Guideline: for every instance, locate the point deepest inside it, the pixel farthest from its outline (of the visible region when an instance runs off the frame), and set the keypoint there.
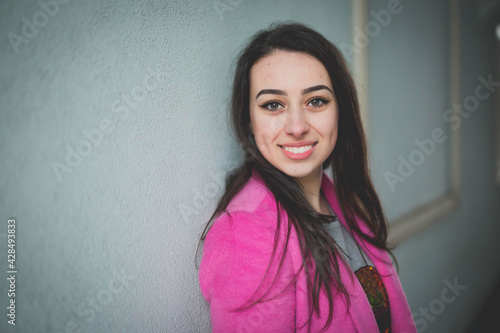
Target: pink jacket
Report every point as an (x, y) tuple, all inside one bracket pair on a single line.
[(236, 254)]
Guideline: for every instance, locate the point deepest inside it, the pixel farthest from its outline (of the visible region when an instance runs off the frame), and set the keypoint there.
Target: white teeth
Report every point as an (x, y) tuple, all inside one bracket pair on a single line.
[(298, 150)]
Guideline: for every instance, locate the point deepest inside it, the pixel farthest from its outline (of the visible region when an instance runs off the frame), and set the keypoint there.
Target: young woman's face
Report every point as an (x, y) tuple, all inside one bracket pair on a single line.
[(293, 112)]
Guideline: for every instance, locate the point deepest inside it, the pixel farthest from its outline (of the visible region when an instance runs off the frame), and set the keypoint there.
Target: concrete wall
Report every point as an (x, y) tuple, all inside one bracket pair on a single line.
[(114, 141), (106, 240), (409, 94)]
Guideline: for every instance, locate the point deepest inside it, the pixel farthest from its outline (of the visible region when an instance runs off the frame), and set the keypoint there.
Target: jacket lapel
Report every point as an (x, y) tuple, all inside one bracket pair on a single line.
[(401, 317), (360, 311)]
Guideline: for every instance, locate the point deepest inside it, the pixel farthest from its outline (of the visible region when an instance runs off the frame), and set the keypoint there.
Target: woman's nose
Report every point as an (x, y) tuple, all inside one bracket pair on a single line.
[(296, 123)]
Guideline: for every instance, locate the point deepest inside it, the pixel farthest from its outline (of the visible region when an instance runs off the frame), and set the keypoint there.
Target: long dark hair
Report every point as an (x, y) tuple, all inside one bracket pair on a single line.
[(348, 160)]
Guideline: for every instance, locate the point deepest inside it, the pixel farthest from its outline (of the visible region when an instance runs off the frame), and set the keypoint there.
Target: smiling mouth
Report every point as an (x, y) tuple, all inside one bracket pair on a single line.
[(298, 150)]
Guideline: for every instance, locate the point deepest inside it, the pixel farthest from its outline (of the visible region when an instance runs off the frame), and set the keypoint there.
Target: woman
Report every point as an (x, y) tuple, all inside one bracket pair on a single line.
[(292, 249)]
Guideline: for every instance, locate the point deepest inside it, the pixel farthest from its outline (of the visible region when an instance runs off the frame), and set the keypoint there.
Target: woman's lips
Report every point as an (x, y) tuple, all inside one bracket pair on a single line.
[(298, 153)]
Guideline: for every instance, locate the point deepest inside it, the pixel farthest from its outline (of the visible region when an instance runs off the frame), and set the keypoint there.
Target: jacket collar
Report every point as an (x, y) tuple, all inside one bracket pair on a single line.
[(360, 311), (401, 317)]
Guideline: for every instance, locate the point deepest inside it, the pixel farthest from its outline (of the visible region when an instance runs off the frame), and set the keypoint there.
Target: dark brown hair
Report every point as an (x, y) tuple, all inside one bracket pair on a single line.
[(348, 160)]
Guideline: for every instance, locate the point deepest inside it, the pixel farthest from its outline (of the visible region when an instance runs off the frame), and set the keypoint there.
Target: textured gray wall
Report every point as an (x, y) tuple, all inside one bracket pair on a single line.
[(106, 241)]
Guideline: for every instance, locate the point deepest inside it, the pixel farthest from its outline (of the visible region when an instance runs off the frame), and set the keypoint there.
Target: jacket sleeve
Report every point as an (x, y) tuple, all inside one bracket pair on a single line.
[(236, 256)]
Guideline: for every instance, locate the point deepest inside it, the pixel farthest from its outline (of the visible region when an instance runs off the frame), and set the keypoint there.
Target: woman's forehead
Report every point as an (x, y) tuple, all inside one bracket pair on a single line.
[(292, 70)]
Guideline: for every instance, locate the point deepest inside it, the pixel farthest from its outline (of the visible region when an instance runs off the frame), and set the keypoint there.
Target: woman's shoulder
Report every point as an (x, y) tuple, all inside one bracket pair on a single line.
[(249, 221), (254, 204), (234, 224), (241, 242)]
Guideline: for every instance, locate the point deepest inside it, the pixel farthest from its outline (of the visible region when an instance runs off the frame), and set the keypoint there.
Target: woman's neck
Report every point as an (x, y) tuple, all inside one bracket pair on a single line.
[(312, 188)]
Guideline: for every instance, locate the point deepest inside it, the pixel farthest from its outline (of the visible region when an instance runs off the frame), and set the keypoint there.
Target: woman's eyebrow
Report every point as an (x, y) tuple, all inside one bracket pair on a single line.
[(283, 93), (315, 88), (271, 91)]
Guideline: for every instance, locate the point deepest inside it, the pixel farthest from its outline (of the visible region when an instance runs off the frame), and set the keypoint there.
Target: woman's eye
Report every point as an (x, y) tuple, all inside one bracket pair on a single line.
[(272, 106), (317, 102)]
